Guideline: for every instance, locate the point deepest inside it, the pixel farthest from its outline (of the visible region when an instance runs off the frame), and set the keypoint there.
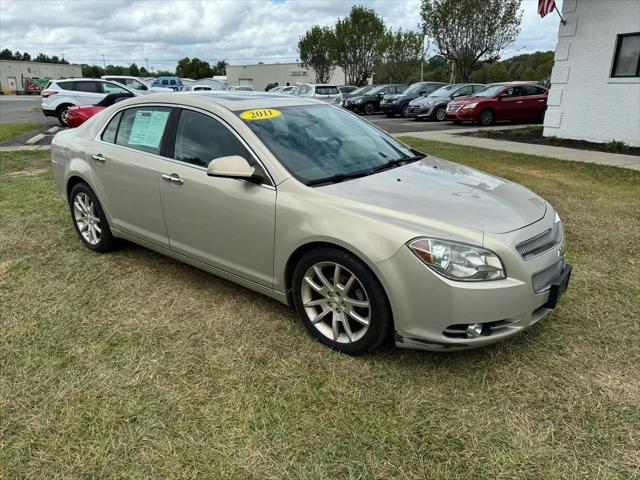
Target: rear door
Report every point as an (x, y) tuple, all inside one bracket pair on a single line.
[(223, 222), (126, 169), (87, 92), (535, 101)]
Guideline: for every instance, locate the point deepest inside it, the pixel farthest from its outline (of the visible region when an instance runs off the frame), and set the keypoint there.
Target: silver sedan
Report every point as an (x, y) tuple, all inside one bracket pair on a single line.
[(368, 239)]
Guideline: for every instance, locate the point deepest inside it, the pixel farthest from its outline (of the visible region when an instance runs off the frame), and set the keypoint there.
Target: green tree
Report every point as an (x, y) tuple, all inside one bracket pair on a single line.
[(467, 32), (317, 51), (6, 54), (360, 41), (401, 58), (144, 72), (220, 68), (134, 71), (193, 68)]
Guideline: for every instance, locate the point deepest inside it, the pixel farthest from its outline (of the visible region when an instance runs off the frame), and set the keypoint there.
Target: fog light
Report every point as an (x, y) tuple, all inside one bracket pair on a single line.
[(474, 330)]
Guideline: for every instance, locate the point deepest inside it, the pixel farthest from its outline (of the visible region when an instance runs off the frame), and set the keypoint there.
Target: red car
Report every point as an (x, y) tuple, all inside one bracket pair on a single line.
[(76, 116), (509, 101)]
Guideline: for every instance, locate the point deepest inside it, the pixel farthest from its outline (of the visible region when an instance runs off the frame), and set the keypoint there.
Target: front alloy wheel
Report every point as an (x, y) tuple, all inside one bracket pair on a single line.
[(335, 302), (441, 114), (369, 109), (340, 301), (89, 219)]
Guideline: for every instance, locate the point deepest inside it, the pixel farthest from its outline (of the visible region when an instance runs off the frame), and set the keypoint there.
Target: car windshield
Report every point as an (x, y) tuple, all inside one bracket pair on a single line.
[(376, 90), (489, 91), (323, 144), (414, 88), (361, 90), (443, 91)]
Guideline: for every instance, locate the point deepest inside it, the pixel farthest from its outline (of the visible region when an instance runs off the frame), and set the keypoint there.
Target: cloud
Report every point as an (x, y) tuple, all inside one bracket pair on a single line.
[(240, 31)]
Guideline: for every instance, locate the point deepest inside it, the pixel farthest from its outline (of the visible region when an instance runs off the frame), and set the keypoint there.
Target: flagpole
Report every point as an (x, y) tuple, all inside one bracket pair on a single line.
[(562, 20)]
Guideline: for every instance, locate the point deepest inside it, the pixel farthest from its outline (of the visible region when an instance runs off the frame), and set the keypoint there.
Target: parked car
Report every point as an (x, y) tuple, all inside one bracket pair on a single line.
[(60, 95), (240, 88), (207, 82), (434, 105), (323, 92), (174, 83), (357, 92), (282, 89), (134, 82), (398, 103), (512, 101), (270, 86), (366, 237), (76, 116), (369, 101), (343, 89)]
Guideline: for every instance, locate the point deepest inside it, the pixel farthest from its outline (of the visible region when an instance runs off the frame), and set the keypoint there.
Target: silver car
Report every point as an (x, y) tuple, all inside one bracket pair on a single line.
[(368, 239)]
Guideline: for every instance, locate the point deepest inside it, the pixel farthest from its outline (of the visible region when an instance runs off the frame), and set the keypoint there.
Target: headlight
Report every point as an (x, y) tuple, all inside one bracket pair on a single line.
[(469, 106), (357, 100), (431, 103), (458, 261)]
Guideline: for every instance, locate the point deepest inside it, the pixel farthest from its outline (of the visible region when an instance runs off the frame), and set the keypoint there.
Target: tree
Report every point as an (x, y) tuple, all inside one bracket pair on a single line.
[(317, 51), (360, 41), (220, 68), (401, 58), (144, 72), (6, 54), (193, 68), (134, 71), (469, 31)]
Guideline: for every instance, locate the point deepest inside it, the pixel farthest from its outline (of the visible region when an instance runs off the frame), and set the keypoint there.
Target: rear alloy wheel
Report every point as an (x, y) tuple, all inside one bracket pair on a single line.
[(340, 301), (405, 111), (63, 112), (486, 117), (440, 114), (369, 109), (89, 219)]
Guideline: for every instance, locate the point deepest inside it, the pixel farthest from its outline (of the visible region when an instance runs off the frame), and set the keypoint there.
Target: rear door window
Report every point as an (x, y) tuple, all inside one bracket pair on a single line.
[(112, 88), (89, 86), (66, 85), (143, 128)]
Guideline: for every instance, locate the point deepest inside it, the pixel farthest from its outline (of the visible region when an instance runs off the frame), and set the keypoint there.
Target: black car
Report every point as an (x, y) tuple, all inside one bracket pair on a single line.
[(270, 86), (399, 104), (434, 105), (369, 101)]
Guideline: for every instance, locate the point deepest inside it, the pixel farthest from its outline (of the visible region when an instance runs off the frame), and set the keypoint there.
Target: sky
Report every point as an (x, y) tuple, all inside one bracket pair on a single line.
[(156, 33)]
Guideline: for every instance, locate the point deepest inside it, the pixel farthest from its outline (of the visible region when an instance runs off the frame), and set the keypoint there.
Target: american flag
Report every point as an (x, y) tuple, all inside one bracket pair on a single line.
[(546, 6)]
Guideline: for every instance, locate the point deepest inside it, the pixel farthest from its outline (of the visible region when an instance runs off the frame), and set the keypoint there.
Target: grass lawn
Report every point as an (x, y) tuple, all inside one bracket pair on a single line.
[(10, 131), (132, 365)]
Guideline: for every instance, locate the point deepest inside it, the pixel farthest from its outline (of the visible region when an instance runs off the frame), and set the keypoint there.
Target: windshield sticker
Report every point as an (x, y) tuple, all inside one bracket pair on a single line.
[(147, 128), (259, 114)]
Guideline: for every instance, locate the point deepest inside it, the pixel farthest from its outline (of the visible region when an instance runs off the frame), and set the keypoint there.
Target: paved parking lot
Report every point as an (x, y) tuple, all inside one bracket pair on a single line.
[(403, 125)]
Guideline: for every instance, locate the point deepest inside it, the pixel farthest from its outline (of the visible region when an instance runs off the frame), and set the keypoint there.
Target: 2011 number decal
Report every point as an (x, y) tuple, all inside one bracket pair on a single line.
[(260, 114)]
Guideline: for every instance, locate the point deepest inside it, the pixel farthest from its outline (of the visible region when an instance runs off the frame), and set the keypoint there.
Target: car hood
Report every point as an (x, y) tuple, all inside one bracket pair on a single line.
[(434, 192), (424, 100), (469, 99)]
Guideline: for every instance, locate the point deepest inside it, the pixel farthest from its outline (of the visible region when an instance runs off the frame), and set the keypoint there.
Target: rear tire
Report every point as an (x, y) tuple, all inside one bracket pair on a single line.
[(89, 219), (61, 113), (340, 301)]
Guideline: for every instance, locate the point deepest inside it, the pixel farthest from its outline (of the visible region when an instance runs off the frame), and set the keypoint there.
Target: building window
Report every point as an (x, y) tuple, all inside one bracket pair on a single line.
[(626, 60)]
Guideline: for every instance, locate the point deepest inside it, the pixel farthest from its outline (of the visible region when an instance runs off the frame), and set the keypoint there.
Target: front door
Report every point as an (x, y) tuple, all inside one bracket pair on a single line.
[(223, 222), (511, 106), (127, 168)]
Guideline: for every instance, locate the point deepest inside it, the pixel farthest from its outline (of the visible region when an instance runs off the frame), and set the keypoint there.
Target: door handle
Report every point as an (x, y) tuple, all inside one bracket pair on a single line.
[(173, 178), (520, 101), (99, 158)]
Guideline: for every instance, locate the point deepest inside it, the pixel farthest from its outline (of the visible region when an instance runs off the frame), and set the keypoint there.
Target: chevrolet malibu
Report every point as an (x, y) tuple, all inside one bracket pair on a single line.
[(367, 238)]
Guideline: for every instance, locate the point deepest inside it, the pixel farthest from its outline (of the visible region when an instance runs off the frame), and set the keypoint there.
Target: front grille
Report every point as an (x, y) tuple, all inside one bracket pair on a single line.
[(415, 109), (540, 243), (453, 107)]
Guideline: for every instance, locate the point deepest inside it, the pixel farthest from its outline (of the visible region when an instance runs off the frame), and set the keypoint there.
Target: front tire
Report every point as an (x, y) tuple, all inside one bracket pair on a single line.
[(405, 111), (340, 301), (369, 109), (486, 117), (89, 219), (440, 114)]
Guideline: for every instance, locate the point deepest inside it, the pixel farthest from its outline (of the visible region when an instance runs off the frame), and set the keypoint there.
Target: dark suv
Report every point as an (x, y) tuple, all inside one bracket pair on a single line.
[(369, 102), (399, 103)]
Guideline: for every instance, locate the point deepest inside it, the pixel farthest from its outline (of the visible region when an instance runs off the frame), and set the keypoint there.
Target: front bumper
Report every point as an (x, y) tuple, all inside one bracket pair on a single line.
[(432, 312), (49, 113), (420, 111), (389, 108), (462, 115)]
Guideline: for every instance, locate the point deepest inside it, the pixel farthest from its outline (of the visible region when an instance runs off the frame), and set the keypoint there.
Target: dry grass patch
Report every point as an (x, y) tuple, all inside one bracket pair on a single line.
[(132, 365)]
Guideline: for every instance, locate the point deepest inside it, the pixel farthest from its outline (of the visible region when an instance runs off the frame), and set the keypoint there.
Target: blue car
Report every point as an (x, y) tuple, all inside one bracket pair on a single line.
[(173, 83)]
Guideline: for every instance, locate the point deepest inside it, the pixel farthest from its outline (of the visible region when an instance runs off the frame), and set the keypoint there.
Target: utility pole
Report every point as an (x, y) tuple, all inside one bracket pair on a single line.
[(147, 62), (104, 64), (424, 37)]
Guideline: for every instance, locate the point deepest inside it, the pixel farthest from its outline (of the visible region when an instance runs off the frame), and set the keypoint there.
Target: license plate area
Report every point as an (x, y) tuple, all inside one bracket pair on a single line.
[(558, 287)]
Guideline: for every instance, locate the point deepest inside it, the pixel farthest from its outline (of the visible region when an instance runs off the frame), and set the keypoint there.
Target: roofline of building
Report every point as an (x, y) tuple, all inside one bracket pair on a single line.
[(43, 63), (265, 64)]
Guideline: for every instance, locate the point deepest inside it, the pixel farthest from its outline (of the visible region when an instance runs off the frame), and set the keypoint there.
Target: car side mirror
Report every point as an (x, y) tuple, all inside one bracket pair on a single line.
[(502, 96), (144, 87), (233, 166), (423, 93), (380, 95)]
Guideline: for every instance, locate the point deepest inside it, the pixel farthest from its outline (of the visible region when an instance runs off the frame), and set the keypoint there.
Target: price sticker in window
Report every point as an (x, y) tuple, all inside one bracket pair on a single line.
[(260, 114)]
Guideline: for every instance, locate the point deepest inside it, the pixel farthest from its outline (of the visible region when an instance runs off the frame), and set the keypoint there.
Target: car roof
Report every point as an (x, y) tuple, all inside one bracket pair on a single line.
[(231, 100)]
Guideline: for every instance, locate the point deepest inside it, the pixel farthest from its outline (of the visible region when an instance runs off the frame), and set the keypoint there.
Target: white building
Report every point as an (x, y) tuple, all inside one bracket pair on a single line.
[(595, 91), (14, 74), (258, 76)]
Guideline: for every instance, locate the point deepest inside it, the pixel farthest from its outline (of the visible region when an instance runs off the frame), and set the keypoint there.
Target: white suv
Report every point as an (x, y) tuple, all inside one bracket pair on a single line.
[(318, 91), (135, 83), (59, 95)]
